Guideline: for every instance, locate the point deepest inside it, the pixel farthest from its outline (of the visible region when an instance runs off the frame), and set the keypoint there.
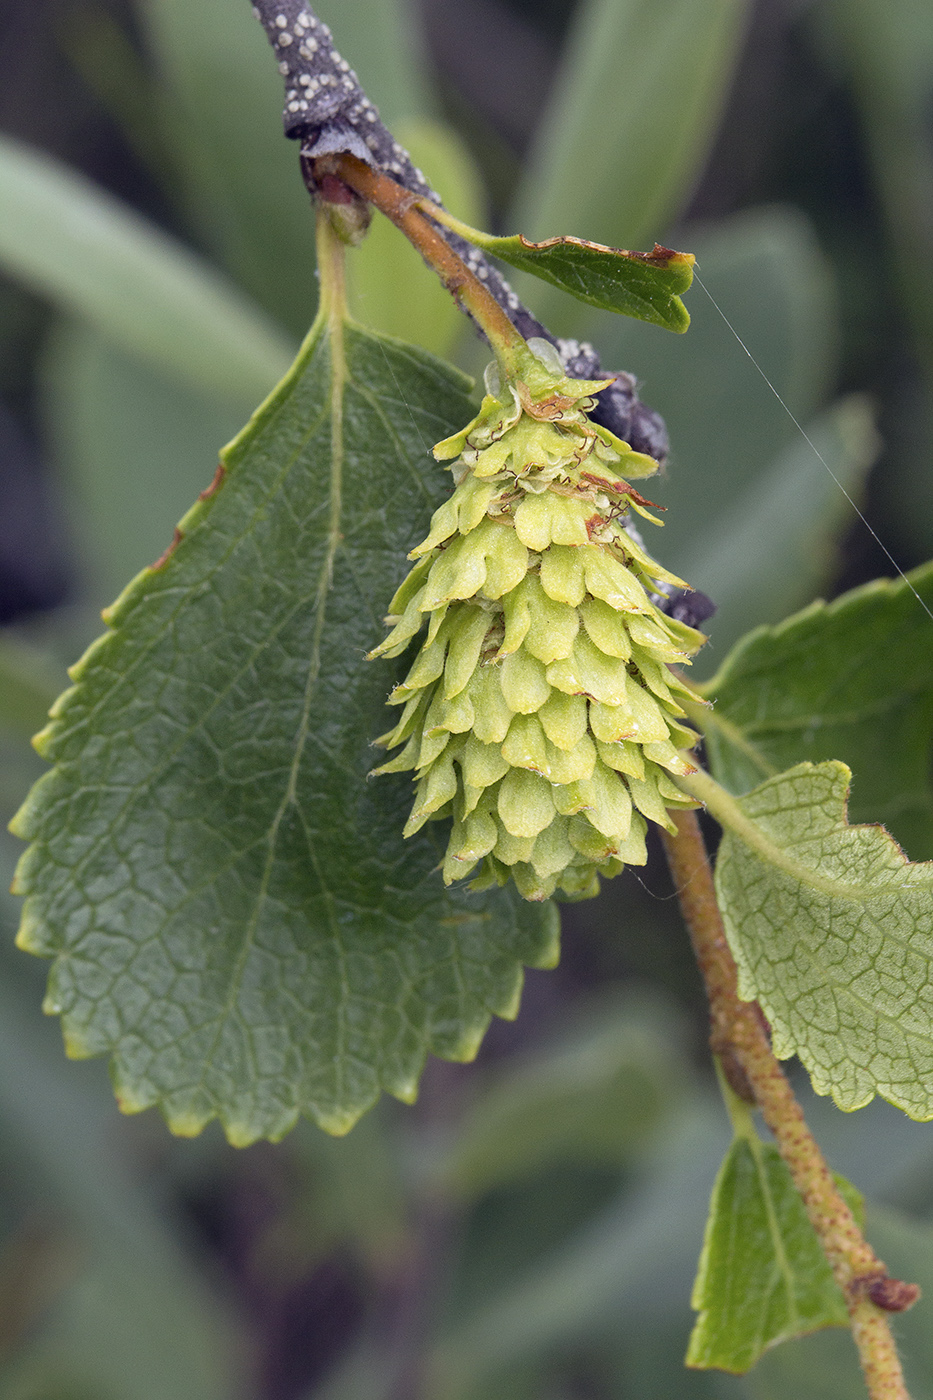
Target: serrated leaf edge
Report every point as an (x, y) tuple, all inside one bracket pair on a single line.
[(729, 812), (34, 934)]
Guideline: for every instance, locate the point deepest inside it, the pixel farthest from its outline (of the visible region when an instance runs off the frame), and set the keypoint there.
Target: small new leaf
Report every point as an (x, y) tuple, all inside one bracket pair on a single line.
[(232, 909), (832, 931), (852, 680), (763, 1277), (647, 286)]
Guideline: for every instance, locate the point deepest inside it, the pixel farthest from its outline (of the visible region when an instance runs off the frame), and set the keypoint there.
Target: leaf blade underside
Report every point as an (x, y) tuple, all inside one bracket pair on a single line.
[(832, 931), (232, 910), (852, 680)]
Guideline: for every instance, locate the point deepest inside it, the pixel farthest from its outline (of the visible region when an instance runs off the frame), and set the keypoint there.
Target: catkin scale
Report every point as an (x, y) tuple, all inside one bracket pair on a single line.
[(540, 712)]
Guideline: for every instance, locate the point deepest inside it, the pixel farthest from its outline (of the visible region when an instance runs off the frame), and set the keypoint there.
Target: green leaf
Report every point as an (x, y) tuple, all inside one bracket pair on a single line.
[(90, 254), (234, 914), (630, 122), (853, 680), (241, 183), (763, 1277), (646, 286), (884, 54), (832, 931)]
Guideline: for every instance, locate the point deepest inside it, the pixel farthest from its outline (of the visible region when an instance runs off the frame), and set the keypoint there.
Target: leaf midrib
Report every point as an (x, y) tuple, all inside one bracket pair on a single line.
[(752, 832), (783, 1266), (338, 380)]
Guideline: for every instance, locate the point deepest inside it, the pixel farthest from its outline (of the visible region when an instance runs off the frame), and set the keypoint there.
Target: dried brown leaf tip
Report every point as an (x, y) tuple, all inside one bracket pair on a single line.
[(540, 712), (658, 257)]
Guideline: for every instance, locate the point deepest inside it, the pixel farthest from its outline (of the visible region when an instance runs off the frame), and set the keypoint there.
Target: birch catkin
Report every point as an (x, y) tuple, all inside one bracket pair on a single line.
[(540, 713)]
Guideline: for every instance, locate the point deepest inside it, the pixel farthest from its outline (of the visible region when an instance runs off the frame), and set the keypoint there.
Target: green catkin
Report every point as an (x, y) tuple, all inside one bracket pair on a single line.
[(540, 713)]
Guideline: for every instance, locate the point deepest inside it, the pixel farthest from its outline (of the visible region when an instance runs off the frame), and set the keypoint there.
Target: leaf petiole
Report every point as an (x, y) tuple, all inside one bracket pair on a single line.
[(331, 263), (729, 814), (710, 721), (739, 1111)]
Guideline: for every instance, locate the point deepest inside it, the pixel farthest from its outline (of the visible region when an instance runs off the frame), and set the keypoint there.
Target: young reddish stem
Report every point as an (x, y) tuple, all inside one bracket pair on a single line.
[(739, 1038), (402, 207)]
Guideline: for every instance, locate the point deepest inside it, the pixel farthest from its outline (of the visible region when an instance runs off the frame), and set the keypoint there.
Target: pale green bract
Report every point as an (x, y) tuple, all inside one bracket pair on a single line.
[(540, 712)]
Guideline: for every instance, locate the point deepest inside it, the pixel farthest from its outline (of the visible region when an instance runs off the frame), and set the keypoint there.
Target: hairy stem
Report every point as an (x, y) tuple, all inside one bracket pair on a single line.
[(739, 1038)]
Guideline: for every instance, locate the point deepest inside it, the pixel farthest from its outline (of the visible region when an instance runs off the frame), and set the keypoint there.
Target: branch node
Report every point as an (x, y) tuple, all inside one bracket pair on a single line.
[(889, 1294), (734, 1071)]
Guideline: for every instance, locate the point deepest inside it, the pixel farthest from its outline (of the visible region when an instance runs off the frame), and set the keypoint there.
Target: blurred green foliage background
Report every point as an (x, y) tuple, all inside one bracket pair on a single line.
[(529, 1230)]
